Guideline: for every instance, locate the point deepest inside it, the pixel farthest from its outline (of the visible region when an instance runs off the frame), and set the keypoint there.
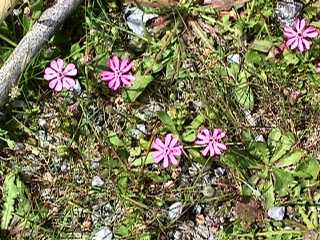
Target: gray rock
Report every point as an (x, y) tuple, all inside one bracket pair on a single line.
[(276, 213), (103, 234), (234, 58), (287, 11), (97, 182), (219, 172), (43, 123), (136, 19), (77, 88), (175, 210)]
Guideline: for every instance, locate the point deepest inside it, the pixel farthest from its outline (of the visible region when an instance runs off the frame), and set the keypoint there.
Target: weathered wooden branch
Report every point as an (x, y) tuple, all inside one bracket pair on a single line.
[(32, 42), (5, 7)]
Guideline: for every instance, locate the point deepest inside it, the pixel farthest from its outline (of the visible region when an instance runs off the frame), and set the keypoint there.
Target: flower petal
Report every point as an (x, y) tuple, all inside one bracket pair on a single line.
[(114, 84), (294, 43), (165, 163), (306, 43), (107, 76), (68, 82), (157, 156), (123, 64), (176, 151), (205, 151), (53, 83), (289, 32), (300, 45), (127, 68), (173, 160), (127, 79), (57, 65), (114, 63), (50, 74), (167, 140), (310, 32), (290, 41), (70, 70)]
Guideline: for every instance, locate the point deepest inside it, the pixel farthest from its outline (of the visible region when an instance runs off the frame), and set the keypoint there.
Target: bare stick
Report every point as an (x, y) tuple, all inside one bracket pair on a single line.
[(32, 42), (5, 7)]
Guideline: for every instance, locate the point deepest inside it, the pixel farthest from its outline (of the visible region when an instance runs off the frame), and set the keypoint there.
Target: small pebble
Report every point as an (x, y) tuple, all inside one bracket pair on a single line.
[(97, 182), (276, 213), (103, 234), (175, 210), (43, 123)]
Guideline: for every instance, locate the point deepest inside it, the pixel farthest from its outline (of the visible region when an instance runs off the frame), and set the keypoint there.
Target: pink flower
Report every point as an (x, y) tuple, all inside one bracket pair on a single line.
[(318, 67), (211, 141), (60, 77), (119, 73), (167, 151), (300, 35)]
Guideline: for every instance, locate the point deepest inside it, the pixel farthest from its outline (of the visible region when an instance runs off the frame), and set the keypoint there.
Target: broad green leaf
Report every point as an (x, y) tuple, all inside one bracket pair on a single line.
[(139, 84), (290, 159), (244, 95), (168, 122), (268, 195), (262, 45), (286, 142), (10, 195), (122, 230), (115, 140), (260, 151), (122, 184), (198, 121), (15, 200), (274, 137), (189, 135), (283, 180), (290, 58), (309, 168), (239, 161), (143, 161)]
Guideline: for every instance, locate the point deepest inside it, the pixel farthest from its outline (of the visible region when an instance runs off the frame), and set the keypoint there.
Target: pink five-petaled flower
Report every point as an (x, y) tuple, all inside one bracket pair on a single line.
[(300, 35), (212, 141), (60, 77), (166, 151), (119, 73), (318, 67)]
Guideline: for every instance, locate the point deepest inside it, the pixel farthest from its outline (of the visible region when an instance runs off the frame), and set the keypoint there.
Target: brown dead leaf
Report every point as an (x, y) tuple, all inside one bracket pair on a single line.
[(225, 4)]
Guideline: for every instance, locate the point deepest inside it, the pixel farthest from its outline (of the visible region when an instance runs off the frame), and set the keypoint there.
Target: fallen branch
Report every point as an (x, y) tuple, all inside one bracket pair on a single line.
[(32, 42), (5, 7)]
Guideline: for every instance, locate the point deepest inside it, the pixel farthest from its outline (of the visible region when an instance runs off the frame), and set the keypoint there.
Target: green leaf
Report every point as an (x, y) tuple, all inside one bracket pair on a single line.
[(168, 122), (283, 180), (11, 193), (308, 169), (115, 140), (274, 137), (286, 142), (198, 121), (143, 161), (268, 195), (290, 58), (14, 196), (262, 45), (123, 184), (189, 135), (139, 84), (260, 151), (122, 230), (290, 159), (244, 95)]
